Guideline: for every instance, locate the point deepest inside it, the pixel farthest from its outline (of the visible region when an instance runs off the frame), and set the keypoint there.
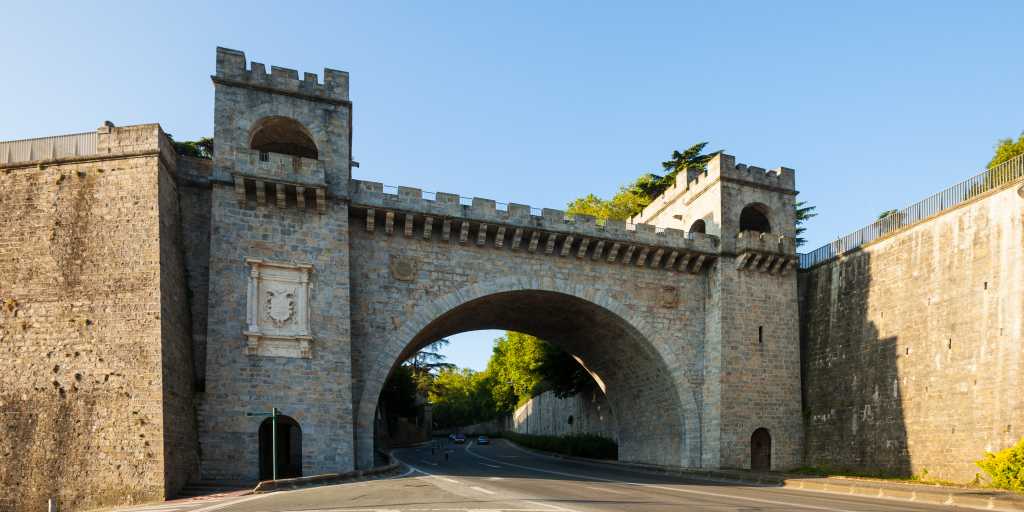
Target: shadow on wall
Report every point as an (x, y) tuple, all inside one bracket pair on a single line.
[(853, 401)]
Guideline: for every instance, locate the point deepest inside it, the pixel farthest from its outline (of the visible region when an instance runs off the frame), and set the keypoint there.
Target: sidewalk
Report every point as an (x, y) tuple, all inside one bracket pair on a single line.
[(965, 497)]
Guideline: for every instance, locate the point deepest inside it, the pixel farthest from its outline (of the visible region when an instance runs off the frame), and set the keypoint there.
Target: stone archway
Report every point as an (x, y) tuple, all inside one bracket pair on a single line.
[(645, 383)]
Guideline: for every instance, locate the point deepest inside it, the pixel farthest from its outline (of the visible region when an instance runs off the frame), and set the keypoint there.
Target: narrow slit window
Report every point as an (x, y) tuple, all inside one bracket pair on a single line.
[(760, 334)]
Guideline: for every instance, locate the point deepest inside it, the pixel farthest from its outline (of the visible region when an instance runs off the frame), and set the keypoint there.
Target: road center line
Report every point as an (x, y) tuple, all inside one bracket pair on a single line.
[(603, 489), (481, 489), (469, 450), (531, 501)]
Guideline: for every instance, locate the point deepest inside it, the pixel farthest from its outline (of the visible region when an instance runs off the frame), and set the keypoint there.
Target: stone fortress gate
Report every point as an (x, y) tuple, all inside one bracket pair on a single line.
[(152, 305), (320, 284), (274, 280)]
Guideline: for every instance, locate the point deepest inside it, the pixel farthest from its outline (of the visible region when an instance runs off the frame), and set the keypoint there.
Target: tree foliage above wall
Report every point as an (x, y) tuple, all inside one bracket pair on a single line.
[(1007, 149), (632, 198), (202, 148)]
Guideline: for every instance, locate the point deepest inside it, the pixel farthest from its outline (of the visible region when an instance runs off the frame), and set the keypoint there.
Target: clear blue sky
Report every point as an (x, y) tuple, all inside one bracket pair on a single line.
[(875, 104)]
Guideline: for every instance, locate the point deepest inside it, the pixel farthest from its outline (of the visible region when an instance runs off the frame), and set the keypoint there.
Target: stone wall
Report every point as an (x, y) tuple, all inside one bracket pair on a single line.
[(180, 438), (912, 354), (315, 391), (583, 413), (639, 329), (84, 343), (193, 184)]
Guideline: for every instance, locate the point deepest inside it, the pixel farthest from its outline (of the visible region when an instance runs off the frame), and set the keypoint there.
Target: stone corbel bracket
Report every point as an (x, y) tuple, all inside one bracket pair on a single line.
[(445, 219), (765, 252), (277, 309), (279, 194)]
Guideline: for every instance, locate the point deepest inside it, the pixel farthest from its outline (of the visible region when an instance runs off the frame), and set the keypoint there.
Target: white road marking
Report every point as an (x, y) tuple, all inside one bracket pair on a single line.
[(172, 508), (491, 465), (604, 489), (660, 487), (531, 501), (219, 506), (481, 489)]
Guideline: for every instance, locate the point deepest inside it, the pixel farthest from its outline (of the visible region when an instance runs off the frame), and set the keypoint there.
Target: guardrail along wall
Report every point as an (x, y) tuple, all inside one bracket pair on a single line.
[(992, 179)]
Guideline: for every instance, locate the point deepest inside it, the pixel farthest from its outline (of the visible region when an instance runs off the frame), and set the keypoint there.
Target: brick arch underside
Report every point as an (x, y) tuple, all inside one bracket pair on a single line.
[(656, 414)]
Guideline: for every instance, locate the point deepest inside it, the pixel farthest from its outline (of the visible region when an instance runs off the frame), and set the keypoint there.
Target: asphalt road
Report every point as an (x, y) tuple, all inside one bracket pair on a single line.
[(502, 477)]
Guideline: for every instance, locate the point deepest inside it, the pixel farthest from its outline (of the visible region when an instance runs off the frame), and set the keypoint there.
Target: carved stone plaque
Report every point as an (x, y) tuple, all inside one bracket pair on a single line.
[(277, 321), (668, 296), (402, 268)]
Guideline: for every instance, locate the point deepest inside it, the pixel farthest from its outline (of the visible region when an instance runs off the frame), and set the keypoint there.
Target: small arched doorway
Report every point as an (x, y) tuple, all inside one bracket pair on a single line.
[(761, 450), (754, 217), (289, 448)]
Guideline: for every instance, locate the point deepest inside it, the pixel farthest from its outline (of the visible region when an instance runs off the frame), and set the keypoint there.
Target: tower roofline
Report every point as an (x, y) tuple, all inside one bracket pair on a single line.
[(232, 70)]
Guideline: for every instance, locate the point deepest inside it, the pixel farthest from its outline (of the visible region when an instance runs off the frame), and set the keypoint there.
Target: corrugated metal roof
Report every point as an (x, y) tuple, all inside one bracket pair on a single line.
[(48, 148)]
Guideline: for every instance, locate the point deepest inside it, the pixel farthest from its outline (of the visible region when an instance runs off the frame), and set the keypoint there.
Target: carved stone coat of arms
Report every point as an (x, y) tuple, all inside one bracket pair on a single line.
[(277, 322)]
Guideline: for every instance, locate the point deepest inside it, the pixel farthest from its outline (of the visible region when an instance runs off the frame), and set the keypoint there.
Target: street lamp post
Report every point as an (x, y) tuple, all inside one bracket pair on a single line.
[(274, 413)]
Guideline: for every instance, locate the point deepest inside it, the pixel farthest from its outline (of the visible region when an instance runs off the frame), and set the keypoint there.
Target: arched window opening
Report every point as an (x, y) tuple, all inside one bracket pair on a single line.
[(699, 226), (284, 135), (761, 450), (289, 448), (754, 217)]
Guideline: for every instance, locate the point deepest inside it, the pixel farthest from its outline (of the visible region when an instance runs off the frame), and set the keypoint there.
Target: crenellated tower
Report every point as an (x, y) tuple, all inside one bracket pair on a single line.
[(274, 127), (278, 332), (751, 380)]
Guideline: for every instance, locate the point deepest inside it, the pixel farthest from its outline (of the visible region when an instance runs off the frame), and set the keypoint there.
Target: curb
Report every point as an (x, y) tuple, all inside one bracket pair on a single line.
[(328, 478), (985, 499)]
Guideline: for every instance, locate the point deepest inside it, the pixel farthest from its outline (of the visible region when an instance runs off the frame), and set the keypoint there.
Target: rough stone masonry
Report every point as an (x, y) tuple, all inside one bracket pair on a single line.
[(153, 306)]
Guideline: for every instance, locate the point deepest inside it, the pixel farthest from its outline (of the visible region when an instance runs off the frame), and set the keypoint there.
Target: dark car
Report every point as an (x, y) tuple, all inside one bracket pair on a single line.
[(459, 438), (483, 440)]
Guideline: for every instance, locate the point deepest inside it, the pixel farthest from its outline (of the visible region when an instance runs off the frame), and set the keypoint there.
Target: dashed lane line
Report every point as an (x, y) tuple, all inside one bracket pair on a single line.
[(470, 451), (481, 489), (530, 501)]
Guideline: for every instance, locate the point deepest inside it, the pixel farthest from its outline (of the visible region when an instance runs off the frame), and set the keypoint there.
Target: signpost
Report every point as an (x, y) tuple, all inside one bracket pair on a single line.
[(273, 437)]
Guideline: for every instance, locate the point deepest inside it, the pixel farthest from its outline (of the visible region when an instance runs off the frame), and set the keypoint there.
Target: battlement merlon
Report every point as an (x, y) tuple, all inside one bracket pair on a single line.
[(721, 167), (368, 194), (232, 69)]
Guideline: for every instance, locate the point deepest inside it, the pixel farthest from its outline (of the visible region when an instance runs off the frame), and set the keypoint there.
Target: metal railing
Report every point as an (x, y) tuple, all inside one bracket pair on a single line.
[(45, 148), (993, 178)]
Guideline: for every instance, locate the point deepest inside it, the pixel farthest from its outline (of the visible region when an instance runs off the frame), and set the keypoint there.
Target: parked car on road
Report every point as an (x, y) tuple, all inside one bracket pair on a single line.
[(483, 440), (459, 438)]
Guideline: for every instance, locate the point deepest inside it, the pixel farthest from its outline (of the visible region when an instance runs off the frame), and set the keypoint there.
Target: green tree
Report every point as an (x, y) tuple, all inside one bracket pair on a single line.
[(462, 397), (398, 398), (1007, 149), (202, 148), (426, 362), (804, 213), (632, 198), (514, 369)]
